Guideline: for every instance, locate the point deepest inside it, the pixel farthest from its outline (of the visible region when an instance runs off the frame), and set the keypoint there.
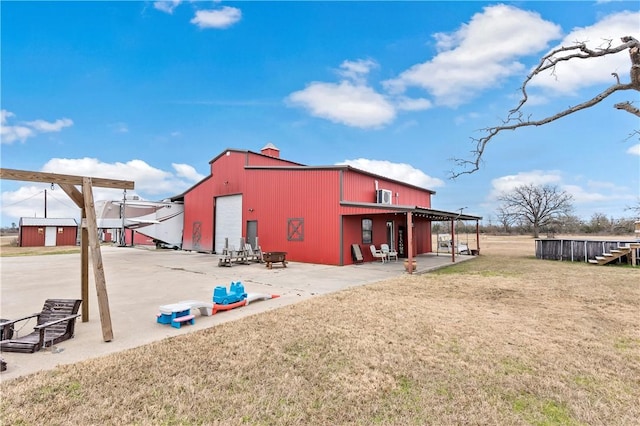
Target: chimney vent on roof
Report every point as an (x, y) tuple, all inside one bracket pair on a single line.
[(270, 150)]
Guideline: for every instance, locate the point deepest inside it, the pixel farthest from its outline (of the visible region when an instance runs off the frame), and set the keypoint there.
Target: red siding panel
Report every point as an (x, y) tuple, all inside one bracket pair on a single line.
[(66, 236), (287, 198), (32, 236), (362, 188), (198, 218)]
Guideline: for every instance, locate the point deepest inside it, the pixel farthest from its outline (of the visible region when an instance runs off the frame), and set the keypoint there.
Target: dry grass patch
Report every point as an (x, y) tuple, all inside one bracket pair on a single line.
[(9, 248), (503, 339)]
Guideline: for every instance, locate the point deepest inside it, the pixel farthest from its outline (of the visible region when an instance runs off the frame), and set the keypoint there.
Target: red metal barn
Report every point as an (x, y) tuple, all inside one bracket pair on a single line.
[(50, 232), (314, 213)]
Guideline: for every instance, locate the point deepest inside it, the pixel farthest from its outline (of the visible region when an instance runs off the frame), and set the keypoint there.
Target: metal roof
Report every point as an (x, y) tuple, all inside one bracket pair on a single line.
[(431, 214), (47, 221)]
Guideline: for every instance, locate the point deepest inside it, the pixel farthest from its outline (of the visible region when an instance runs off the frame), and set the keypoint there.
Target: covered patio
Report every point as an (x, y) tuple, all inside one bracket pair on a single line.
[(420, 245)]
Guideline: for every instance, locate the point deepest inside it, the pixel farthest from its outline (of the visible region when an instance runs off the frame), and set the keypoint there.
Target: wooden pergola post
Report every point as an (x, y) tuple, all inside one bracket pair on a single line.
[(89, 232)]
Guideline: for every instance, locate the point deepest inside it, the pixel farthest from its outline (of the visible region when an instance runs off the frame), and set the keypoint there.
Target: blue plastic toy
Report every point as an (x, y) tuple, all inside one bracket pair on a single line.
[(235, 294)]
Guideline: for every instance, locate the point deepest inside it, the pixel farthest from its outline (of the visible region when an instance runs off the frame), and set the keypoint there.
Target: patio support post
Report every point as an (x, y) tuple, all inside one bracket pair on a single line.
[(410, 241), (478, 235), (453, 240)]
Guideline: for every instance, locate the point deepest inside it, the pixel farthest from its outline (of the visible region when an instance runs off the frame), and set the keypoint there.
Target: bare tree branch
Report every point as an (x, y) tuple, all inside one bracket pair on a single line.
[(515, 119), (627, 106)]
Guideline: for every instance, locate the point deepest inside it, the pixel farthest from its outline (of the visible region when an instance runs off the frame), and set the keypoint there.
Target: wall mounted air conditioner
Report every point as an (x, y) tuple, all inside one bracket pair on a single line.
[(383, 196)]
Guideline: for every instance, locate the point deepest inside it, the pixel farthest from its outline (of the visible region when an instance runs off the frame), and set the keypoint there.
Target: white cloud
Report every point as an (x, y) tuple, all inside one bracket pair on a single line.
[(408, 104), (597, 192), (167, 6), (591, 192), (218, 18), (634, 150), (357, 71), (398, 171), (45, 126), (352, 101), (508, 183), (479, 55), (24, 130), (28, 201), (346, 103), (575, 74), (188, 172), (11, 134), (581, 195)]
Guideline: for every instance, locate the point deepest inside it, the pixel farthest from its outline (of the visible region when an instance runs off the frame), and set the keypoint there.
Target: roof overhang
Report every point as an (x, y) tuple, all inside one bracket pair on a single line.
[(431, 214)]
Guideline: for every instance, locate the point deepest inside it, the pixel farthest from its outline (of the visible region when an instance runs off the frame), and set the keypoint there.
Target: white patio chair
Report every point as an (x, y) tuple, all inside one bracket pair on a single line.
[(377, 253), (384, 248)]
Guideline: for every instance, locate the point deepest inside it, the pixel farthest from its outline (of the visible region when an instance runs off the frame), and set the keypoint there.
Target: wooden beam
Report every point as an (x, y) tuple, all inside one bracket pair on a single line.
[(73, 193), (27, 176), (96, 258)]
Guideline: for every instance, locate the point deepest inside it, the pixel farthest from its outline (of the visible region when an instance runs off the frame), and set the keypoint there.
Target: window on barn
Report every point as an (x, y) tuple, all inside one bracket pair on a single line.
[(367, 231), (295, 229), (60, 230)]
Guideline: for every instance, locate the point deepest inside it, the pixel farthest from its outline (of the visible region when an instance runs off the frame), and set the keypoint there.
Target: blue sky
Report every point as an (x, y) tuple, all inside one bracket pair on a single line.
[(151, 91)]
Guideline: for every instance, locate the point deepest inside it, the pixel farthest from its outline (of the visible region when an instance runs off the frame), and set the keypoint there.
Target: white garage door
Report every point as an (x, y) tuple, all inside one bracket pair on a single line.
[(228, 221)]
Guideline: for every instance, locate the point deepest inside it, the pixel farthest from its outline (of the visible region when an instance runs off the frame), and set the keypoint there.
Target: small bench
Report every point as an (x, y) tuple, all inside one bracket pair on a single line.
[(168, 313), (177, 322), (231, 256)]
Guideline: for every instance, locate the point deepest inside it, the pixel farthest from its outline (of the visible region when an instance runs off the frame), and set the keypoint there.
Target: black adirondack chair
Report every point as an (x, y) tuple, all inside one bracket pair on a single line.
[(55, 323)]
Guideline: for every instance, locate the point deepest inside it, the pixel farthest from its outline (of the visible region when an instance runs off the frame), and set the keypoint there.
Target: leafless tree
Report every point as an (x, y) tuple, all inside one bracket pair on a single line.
[(635, 208), (537, 205), (506, 218), (516, 119)]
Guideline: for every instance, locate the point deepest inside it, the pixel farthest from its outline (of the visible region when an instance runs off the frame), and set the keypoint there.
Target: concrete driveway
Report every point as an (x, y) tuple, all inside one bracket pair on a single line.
[(139, 280)]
